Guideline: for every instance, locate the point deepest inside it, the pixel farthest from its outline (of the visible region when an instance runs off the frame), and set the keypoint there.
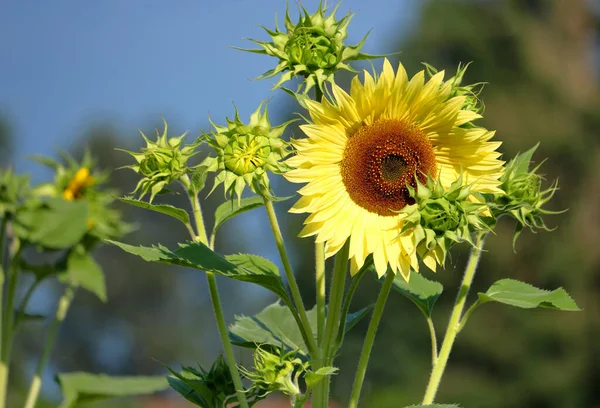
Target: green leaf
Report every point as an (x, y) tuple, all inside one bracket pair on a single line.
[(56, 223), (520, 294), (420, 290), (83, 271), (232, 208), (313, 377), (245, 268), (79, 387), (274, 326), (166, 209)]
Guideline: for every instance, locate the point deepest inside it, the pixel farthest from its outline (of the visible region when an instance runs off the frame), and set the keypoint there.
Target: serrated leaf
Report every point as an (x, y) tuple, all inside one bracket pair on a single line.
[(82, 270), (420, 290), (245, 268), (520, 294), (166, 209), (80, 387), (232, 208), (55, 224), (274, 326)]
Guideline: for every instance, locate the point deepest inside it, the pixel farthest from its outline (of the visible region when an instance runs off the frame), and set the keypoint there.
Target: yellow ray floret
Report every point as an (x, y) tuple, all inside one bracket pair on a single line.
[(363, 150)]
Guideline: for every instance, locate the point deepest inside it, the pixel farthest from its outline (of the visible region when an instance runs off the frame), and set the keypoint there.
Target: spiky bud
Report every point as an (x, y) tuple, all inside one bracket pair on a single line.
[(522, 195), (161, 162), (442, 217), (313, 48), (245, 153), (276, 371)]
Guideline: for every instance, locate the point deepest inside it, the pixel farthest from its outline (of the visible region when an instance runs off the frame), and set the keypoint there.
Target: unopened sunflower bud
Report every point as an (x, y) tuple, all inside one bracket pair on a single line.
[(276, 371), (313, 48), (440, 218), (245, 153), (161, 162), (522, 196)]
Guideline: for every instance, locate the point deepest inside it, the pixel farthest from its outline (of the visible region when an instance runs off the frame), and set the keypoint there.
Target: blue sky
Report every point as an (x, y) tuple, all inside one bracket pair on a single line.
[(66, 64)]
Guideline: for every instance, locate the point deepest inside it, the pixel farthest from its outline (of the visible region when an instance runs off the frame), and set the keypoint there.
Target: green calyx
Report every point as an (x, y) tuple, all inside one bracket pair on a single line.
[(523, 197), (471, 92), (245, 153), (313, 48), (161, 162), (442, 217)]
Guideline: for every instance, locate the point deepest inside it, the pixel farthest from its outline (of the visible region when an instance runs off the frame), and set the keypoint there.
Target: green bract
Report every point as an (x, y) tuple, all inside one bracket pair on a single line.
[(522, 196), (161, 163), (440, 218), (246, 152), (313, 48)]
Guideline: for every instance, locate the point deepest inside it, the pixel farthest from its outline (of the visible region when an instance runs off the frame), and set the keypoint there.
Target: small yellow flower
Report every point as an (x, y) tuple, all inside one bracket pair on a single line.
[(80, 181), (364, 152)]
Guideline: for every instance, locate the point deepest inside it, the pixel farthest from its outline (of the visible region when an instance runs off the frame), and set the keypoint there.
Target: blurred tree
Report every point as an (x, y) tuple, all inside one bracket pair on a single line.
[(6, 143)]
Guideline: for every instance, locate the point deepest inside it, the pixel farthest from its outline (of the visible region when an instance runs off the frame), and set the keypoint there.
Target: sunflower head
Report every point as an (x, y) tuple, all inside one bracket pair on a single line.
[(313, 48), (522, 196), (161, 162), (372, 154), (246, 152)]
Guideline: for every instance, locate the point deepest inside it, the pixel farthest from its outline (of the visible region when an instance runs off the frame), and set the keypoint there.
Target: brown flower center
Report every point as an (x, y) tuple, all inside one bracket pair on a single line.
[(381, 160)]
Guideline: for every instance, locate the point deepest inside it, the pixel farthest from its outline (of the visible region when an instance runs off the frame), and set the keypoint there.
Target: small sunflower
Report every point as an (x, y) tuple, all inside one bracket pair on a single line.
[(365, 151)]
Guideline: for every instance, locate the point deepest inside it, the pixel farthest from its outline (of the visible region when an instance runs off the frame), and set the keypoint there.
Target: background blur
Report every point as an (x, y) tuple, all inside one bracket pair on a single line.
[(89, 73)]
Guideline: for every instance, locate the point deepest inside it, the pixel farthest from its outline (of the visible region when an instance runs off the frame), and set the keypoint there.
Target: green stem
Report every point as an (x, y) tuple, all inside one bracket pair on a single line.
[(454, 322), (370, 339), (7, 321), (346, 308), (320, 289), (24, 302), (214, 296), (61, 313), (336, 297), (309, 335), (434, 346)]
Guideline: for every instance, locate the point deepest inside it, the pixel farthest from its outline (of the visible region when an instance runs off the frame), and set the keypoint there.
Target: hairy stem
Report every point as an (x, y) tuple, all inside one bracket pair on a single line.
[(309, 335), (215, 299), (454, 322), (320, 289), (370, 339), (61, 313)]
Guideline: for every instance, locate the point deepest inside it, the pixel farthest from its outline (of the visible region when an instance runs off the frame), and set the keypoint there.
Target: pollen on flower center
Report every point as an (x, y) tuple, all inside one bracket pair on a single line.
[(381, 160)]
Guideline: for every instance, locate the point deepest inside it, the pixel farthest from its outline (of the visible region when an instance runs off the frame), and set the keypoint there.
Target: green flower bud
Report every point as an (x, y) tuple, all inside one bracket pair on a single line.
[(276, 371), (522, 197), (440, 218), (313, 48), (161, 162), (245, 153)]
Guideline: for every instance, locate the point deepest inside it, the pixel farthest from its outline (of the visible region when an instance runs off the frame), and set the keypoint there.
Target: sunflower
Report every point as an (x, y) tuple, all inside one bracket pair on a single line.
[(364, 149)]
